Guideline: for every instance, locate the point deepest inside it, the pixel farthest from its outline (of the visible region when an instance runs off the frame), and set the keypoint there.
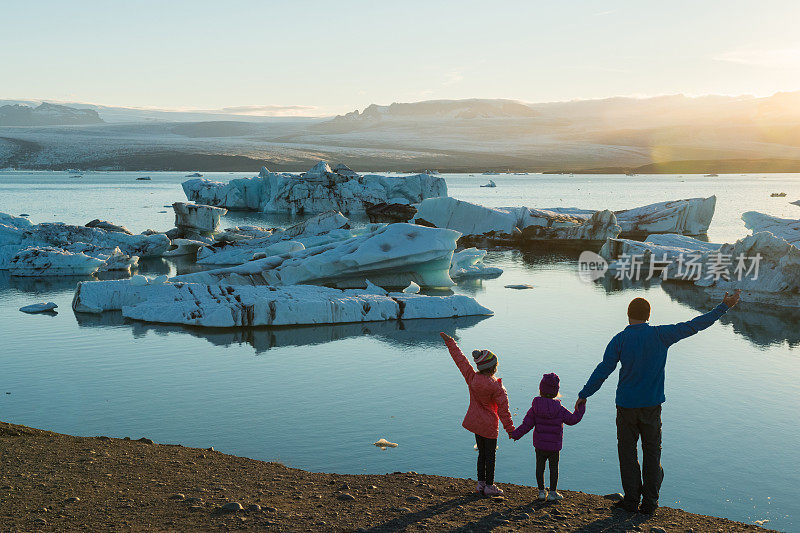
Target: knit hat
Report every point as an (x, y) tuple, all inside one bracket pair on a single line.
[(549, 385), (484, 359)]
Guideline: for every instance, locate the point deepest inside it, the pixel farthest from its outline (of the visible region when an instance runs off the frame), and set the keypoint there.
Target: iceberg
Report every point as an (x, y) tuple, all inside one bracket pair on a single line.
[(468, 263), (785, 228), (514, 223), (108, 226), (237, 306), (316, 191), (686, 217), (193, 218), (35, 261), (391, 256), (42, 307), (14, 222), (184, 247), (60, 235), (660, 252), (321, 229), (119, 262)]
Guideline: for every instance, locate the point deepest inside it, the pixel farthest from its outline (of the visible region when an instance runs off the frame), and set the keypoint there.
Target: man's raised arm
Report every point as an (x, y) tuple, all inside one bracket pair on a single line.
[(672, 333)]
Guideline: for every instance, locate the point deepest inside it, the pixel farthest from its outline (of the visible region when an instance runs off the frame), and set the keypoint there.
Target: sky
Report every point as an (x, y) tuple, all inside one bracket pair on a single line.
[(320, 58)]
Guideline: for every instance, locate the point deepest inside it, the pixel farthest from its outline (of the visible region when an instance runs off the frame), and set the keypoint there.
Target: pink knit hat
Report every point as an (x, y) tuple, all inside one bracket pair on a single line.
[(549, 385)]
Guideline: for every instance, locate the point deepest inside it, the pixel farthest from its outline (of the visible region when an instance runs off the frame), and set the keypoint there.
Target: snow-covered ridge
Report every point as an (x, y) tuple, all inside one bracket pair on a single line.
[(318, 190), (236, 306)]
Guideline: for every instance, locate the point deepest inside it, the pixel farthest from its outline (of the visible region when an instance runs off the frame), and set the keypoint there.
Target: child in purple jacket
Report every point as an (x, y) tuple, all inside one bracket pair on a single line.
[(548, 417)]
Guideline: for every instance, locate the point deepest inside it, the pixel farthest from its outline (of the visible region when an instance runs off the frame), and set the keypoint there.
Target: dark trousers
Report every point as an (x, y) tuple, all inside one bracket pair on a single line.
[(631, 424), (486, 454), (541, 458)]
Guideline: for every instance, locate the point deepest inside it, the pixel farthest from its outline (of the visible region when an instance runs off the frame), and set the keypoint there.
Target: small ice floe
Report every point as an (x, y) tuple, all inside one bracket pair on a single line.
[(761, 522), (143, 178), (27, 215), (519, 286), (491, 184), (412, 288), (194, 175), (778, 194), (41, 307), (383, 444)]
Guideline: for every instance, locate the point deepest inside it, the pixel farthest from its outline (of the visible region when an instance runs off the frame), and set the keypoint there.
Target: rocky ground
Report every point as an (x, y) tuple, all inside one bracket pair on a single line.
[(54, 482)]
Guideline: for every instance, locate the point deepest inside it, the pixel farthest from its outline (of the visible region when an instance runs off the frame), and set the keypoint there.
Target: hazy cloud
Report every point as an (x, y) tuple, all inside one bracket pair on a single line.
[(269, 110), (763, 57)]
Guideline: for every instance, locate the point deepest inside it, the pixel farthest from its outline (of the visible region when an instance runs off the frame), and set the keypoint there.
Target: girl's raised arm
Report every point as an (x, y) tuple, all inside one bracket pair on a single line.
[(458, 357)]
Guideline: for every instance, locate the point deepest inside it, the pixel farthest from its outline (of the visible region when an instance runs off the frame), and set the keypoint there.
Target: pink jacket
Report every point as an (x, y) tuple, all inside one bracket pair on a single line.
[(488, 401)]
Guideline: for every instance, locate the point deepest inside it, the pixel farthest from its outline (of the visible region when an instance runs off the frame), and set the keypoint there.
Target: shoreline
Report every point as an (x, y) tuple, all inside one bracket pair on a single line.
[(56, 482)]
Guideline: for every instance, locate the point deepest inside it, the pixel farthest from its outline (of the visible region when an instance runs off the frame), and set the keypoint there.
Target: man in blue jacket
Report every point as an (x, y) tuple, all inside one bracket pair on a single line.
[(642, 351)]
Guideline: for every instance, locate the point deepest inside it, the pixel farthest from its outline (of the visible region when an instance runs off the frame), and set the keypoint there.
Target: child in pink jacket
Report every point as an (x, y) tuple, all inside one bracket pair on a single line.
[(488, 404)]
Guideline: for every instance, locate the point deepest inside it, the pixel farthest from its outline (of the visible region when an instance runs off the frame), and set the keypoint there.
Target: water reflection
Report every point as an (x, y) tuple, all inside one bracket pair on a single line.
[(37, 285), (762, 325), (405, 333)]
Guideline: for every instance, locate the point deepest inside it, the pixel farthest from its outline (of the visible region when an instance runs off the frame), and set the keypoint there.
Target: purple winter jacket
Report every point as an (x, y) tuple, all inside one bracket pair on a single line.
[(548, 416)]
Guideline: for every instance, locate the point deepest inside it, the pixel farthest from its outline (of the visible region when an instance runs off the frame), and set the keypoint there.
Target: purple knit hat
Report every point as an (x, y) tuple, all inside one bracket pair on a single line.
[(549, 385), (484, 359)]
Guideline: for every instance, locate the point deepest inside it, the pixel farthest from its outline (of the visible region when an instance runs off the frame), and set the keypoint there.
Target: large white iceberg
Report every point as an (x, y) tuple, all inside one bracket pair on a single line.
[(686, 217), (661, 252), (511, 223), (321, 229), (236, 306), (318, 190), (785, 228), (391, 256)]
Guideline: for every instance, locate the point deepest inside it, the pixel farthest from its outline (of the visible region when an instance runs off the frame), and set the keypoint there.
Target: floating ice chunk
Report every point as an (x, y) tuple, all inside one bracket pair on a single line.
[(184, 247), (391, 256), (661, 252), (519, 286), (108, 226), (383, 444), (322, 229), (203, 219), (318, 190), (371, 288), (16, 222), (39, 261), (468, 263), (138, 280), (38, 308), (514, 222), (412, 288), (63, 235), (119, 261), (685, 217), (785, 228), (235, 306)]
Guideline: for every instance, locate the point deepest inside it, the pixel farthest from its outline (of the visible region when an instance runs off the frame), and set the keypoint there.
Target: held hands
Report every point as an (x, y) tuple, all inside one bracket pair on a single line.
[(581, 401), (733, 299)]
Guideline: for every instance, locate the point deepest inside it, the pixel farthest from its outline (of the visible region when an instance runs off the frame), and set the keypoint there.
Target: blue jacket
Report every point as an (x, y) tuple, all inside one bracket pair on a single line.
[(642, 350)]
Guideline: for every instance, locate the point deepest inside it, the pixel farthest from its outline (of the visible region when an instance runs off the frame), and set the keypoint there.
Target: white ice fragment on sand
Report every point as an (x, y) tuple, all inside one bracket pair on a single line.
[(383, 444), (519, 286), (138, 280), (228, 306), (391, 256), (318, 190), (468, 263), (38, 308), (412, 288)]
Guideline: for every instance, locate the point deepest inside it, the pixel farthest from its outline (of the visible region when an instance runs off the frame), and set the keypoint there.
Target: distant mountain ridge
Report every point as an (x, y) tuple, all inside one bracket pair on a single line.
[(46, 115)]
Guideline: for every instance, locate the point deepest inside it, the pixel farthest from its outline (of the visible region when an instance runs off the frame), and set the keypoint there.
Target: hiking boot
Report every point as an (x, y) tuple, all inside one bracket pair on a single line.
[(648, 508), (542, 494), (492, 490), (480, 487), (625, 506)]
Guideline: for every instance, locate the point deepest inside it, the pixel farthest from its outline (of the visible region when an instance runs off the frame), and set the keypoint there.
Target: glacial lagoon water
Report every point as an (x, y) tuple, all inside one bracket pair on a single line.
[(317, 397)]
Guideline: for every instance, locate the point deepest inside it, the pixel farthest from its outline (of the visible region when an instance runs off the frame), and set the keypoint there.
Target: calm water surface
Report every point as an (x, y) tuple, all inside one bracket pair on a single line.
[(317, 397)]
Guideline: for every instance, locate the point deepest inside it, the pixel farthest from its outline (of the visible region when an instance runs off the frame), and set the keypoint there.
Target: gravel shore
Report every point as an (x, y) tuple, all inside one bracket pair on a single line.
[(54, 482)]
